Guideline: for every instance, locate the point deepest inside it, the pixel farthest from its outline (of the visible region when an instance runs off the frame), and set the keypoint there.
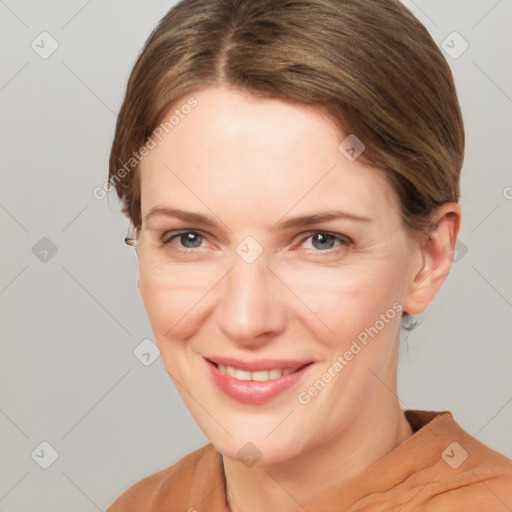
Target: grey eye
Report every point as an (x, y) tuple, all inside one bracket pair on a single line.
[(323, 241), (190, 239)]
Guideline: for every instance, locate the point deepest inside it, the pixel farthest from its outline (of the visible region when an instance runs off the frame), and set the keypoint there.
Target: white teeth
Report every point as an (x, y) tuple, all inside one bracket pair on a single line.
[(274, 374), (242, 375), (260, 375)]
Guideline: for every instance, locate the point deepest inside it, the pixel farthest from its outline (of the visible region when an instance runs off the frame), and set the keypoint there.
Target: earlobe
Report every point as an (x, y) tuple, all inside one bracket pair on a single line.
[(436, 256)]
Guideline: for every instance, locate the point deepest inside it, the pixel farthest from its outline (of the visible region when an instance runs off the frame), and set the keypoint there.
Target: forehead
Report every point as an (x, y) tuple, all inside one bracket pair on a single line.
[(237, 152)]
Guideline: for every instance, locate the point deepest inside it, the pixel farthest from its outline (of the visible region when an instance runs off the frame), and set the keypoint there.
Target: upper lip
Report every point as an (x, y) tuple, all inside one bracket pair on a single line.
[(258, 364)]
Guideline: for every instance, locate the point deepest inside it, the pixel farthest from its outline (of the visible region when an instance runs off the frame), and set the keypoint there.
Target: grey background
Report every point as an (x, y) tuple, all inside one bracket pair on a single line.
[(71, 320)]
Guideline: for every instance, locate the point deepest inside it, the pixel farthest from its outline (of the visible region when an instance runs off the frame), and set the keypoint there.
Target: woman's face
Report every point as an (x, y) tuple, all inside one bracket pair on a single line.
[(302, 265)]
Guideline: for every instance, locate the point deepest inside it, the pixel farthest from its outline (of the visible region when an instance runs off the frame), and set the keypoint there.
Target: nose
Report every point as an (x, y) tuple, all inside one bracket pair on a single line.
[(251, 310)]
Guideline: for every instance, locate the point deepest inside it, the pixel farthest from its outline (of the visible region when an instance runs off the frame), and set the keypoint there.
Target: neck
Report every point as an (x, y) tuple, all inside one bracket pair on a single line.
[(288, 485)]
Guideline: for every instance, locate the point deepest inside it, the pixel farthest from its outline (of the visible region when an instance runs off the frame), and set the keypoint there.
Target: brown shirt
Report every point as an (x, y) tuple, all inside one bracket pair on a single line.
[(440, 468)]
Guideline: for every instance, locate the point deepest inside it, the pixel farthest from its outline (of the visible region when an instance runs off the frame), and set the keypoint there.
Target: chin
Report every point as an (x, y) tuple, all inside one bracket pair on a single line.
[(247, 436), (259, 452)]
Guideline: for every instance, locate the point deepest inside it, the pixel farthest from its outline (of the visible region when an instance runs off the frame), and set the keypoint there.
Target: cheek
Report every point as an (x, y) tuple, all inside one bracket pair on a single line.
[(172, 309), (339, 303)]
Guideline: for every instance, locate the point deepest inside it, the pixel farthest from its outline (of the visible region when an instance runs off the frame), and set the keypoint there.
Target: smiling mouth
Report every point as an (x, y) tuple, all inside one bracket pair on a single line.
[(257, 381), (260, 375)]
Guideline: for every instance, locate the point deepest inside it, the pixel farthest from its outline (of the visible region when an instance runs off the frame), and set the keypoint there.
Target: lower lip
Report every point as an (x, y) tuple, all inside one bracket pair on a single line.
[(253, 392)]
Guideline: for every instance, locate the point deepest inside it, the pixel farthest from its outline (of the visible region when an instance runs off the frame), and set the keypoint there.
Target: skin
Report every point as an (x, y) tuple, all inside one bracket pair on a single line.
[(249, 163)]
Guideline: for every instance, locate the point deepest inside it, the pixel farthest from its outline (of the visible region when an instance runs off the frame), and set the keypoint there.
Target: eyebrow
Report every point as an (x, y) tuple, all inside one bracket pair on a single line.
[(316, 218), (300, 221), (180, 214)]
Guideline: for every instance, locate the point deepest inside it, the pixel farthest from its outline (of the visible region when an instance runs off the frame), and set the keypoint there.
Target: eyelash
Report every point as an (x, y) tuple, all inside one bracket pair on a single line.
[(344, 241)]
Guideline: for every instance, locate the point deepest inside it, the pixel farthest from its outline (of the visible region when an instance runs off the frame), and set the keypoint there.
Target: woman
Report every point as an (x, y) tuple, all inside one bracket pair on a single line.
[(291, 172)]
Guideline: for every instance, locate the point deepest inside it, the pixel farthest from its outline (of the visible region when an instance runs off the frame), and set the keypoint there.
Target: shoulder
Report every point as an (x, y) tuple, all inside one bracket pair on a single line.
[(467, 473), (480, 485), (176, 486), (484, 477)]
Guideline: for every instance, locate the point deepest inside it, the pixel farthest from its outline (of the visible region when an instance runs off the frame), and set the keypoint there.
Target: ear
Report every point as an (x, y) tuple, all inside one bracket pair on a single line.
[(435, 256)]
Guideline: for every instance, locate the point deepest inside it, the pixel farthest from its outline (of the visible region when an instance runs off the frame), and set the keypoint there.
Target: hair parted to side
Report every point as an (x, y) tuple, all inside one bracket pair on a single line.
[(370, 65)]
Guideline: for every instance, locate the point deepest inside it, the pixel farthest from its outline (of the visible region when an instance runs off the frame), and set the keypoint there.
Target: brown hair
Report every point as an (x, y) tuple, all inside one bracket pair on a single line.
[(369, 64)]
